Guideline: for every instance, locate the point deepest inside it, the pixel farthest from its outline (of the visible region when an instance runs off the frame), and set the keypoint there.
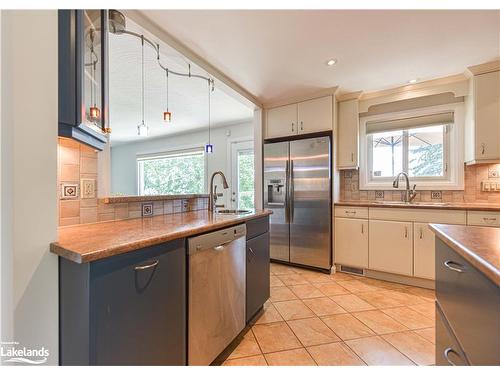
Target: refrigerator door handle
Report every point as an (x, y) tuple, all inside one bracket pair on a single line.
[(292, 192), (287, 193)]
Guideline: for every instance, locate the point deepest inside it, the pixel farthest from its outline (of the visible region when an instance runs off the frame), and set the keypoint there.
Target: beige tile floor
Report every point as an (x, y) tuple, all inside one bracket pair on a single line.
[(340, 320)]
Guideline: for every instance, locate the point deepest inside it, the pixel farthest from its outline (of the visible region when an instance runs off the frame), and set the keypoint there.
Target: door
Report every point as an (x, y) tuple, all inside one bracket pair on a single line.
[(257, 274), (487, 100), (242, 175), (315, 115), (310, 203), (423, 251), (391, 246), (276, 166), (348, 134), (281, 121), (351, 242)]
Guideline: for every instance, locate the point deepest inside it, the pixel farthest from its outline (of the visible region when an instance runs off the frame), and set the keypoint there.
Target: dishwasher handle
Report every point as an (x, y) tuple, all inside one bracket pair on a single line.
[(216, 240)]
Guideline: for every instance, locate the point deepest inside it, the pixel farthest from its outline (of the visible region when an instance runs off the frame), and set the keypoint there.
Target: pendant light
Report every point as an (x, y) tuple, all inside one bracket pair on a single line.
[(142, 128), (94, 111), (167, 116), (209, 148)]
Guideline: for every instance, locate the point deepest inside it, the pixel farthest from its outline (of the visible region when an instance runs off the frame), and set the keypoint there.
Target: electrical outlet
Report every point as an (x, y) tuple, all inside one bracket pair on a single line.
[(347, 174), (436, 195), (488, 185), (379, 194)]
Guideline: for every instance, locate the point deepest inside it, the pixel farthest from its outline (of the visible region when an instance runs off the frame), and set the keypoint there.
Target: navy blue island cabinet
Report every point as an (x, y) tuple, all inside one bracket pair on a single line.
[(128, 309)]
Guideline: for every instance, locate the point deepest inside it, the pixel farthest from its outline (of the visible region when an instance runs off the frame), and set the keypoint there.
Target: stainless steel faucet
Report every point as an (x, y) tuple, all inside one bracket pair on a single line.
[(212, 199), (410, 194)]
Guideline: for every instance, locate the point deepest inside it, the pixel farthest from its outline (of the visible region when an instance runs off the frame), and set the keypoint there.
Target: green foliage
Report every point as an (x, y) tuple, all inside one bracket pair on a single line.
[(175, 175), (246, 181), (427, 160)]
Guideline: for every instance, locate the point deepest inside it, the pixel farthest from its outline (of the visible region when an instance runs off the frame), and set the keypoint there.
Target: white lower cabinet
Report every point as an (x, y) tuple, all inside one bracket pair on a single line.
[(423, 251), (391, 246), (351, 242)]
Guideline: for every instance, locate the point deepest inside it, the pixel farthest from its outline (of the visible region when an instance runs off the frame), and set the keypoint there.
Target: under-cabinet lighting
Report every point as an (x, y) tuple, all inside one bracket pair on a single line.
[(331, 62)]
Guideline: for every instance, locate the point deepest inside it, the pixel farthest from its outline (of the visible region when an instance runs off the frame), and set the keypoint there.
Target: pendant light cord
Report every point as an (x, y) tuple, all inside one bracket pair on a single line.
[(209, 90), (142, 42), (167, 87)]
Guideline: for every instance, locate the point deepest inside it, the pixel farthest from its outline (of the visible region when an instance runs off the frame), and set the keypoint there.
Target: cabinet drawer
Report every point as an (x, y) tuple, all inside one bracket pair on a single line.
[(257, 227), (422, 215), (351, 212), (470, 303), (448, 350), (483, 218)]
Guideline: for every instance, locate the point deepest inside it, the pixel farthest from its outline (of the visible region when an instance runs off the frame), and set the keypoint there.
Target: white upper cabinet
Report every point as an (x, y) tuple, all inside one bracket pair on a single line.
[(348, 134), (282, 121), (315, 115), (311, 116), (483, 126)]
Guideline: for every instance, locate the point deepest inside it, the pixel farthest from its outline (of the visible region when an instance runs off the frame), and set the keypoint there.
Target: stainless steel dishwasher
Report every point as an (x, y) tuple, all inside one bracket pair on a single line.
[(216, 292)]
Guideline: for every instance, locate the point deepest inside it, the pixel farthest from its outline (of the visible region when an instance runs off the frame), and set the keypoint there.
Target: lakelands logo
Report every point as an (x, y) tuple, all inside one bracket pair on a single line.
[(12, 352)]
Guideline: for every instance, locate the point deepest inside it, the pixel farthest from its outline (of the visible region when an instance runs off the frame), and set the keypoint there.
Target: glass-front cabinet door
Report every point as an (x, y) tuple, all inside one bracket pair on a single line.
[(83, 72)]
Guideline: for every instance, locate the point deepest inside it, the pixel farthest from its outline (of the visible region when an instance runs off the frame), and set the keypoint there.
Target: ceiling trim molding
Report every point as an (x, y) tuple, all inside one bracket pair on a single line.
[(349, 96), (457, 84), (228, 85), (491, 66), (317, 94)]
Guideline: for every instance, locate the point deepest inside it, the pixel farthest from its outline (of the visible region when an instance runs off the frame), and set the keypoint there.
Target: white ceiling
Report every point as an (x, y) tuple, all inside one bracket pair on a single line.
[(188, 97), (278, 54)]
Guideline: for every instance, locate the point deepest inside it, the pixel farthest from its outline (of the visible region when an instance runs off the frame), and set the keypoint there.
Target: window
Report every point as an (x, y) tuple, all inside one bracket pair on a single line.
[(426, 143), (181, 172), (417, 151)]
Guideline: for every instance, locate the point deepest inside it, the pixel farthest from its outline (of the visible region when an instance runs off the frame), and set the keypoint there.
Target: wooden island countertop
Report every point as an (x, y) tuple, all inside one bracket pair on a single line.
[(90, 242), (478, 245)]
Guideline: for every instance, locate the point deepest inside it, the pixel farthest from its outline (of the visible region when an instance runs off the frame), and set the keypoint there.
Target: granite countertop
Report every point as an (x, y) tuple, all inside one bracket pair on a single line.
[(147, 198), (89, 242), (427, 205), (478, 245)]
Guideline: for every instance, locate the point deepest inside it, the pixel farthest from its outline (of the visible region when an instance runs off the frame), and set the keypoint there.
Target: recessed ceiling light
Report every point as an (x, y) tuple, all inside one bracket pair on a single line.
[(331, 62), (414, 80)]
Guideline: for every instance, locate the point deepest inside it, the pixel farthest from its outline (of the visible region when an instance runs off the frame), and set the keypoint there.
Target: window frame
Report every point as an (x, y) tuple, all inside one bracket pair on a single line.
[(165, 154), (453, 178)]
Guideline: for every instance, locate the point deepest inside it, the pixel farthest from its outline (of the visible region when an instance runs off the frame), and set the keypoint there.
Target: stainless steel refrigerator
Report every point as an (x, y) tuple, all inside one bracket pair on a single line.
[(297, 187)]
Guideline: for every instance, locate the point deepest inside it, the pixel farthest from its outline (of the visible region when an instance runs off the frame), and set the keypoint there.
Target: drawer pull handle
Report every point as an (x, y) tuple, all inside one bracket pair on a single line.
[(362, 228), (406, 232), (421, 233), (489, 218), (251, 255), (147, 266), (447, 352), (350, 212), (454, 266)]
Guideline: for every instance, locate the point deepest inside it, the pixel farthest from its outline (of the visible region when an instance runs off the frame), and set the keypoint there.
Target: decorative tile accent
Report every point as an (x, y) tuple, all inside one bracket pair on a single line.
[(147, 209), (379, 194), (69, 191)]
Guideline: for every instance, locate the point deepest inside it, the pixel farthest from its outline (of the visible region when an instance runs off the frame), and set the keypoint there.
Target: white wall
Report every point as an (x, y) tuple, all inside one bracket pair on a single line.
[(29, 175), (123, 158)]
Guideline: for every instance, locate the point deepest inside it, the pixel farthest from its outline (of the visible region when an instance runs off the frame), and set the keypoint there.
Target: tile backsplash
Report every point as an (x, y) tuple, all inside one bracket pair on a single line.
[(77, 162), (474, 175)]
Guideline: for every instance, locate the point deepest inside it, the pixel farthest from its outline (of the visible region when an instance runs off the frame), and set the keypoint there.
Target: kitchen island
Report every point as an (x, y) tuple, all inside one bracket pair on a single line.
[(468, 295), (123, 285)]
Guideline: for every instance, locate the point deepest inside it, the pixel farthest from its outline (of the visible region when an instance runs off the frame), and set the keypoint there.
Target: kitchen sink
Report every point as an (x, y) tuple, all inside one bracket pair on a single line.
[(233, 212)]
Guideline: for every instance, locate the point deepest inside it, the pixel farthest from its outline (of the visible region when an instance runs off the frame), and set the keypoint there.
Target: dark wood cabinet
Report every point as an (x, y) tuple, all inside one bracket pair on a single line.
[(83, 76), (129, 309), (257, 268)]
